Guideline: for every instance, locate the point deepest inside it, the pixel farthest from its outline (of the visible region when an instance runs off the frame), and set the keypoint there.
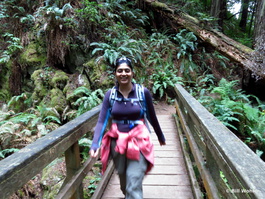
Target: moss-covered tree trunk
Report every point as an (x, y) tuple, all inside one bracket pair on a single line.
[(225, 45), (15, 84)]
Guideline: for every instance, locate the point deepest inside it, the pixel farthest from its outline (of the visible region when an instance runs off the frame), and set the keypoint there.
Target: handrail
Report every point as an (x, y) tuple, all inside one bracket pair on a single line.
[(216, 149), (17, 169)]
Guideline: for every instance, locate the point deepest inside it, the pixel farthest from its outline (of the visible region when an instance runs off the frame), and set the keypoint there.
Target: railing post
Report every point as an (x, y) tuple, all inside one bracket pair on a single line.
[(72, 160)]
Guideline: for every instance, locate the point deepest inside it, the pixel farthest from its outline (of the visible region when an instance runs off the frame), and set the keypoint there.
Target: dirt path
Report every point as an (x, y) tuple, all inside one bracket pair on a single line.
[(163, 108)]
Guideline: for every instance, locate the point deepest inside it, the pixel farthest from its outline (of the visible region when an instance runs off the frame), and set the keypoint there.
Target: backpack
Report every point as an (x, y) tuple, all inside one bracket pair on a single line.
[(140, 97), (113, 97), (139, 93)]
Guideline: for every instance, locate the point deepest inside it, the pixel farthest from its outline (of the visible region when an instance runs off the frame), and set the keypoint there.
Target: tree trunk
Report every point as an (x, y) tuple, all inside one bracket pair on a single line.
[(225, 45), (259, 36), (219, 10), (259, 26), (15, 79), (244, 15)]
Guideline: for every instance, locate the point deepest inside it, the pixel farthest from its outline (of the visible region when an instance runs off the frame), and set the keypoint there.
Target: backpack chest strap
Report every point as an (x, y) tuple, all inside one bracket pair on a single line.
[(128, 121)]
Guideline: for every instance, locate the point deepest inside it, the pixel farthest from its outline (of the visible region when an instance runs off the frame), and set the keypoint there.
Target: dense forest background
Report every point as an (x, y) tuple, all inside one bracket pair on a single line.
[(56, 61)]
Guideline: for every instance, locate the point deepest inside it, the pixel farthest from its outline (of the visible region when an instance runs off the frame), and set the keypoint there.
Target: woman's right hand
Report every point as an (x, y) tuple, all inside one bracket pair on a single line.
[(93, 153)]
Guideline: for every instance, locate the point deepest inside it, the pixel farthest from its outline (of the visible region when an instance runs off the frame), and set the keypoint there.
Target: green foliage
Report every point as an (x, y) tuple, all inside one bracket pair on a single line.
[(90, 11), (186, 42), (5, 152), (203, 86), (125, 47), (160, 46), (87, 99), (19, 103), (227, 105), (7, 133), (85, 144), (164, 78), (49, 114), (53, 16), (93, 185), (234, 108), (13, 48), (189, 70)]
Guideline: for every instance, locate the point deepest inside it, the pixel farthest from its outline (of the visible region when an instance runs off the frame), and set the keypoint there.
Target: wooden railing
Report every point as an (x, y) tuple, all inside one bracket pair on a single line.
[(17, 169), (228, 168)]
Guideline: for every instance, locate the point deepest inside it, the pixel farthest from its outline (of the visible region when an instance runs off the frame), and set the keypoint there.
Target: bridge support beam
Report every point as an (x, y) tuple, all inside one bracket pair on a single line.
[(72, 160)]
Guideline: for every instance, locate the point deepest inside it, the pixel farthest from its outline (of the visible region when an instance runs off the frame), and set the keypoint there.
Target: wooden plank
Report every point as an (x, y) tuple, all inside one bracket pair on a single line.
[(163, 180), (189, 165), (153, 192)]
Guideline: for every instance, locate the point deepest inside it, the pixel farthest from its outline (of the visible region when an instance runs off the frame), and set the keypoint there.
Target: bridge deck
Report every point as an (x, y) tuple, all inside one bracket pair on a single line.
[(169, 177)]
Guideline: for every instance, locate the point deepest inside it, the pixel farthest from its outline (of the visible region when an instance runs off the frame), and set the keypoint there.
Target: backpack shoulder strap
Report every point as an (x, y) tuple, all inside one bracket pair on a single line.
[(140, 96), (112, 97)]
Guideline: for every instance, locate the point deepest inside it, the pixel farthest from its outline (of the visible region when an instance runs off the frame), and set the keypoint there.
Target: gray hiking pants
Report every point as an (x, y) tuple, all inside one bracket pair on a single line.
[(131, 173)]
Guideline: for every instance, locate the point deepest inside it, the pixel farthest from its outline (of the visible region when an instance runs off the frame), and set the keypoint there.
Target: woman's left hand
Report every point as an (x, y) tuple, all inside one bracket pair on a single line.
[(162, 143)]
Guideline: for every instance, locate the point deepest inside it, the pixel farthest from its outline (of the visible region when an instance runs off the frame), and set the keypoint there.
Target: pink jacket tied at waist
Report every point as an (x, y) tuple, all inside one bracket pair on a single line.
[(132, 143)]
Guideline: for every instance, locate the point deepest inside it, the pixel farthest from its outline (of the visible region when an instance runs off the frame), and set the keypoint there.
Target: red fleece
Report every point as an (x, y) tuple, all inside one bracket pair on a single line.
[(132, 143)]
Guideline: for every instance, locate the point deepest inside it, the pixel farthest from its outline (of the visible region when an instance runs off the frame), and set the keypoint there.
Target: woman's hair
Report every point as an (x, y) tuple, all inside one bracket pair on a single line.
[(121, 60)]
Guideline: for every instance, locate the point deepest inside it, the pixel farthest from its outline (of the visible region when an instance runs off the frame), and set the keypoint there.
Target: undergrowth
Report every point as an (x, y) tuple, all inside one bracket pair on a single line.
[(241, 113)]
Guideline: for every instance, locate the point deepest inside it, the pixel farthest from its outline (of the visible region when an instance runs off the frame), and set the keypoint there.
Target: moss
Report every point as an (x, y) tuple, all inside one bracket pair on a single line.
[(40, 79), (55, 99), (75, 81), (5, 94), (32, 57), (99, 74), (59, 80), (52, 178), (163, 6)]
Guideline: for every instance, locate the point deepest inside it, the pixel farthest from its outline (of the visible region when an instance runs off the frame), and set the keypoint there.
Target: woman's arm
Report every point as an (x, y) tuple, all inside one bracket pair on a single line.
[(151, 116), (102, 122)]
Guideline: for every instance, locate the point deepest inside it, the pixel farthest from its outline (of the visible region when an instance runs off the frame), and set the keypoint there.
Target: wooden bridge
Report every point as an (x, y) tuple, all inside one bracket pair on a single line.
[(202, 159)]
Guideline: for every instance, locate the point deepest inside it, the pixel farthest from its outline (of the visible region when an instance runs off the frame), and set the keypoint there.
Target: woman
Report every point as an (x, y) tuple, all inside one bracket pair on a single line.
[(128, 140)]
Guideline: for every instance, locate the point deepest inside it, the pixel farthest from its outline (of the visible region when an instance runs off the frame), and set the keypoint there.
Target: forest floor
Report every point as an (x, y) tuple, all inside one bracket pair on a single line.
[(162, 108)]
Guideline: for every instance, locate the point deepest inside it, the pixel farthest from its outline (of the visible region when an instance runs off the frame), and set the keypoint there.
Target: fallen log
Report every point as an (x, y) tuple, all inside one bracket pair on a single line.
[(228, 47)]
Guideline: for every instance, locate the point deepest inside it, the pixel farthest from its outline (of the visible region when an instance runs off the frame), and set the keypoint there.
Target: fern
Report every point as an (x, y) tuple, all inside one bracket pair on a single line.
[(8, 132), (88, 99), (23, 118), (187, 43), (129, 47), (164, 78), (232, 107), (228, 90), (19, 103), (90, 11), (4, 152), (49, 114), (50, 118), (13, 48), (85, 144)]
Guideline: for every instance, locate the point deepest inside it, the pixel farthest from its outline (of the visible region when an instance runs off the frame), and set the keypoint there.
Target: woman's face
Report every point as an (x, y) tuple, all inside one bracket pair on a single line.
[(124, 74)]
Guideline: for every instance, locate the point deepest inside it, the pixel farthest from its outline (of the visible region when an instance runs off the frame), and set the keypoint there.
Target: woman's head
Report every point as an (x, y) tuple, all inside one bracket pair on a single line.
[(123, 71)]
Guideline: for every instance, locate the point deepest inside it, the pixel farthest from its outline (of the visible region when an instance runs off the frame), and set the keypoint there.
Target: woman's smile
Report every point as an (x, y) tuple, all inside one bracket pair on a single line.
[(124, 74)]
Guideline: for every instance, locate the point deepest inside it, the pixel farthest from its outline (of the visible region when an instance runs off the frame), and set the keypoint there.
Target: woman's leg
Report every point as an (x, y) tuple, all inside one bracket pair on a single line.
[(120, 165), (135, 173), (131, 173)]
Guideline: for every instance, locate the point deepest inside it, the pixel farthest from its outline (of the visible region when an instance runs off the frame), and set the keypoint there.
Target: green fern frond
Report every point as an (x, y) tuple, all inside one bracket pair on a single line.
[(24, 118), (50, 118), (4, 152)]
